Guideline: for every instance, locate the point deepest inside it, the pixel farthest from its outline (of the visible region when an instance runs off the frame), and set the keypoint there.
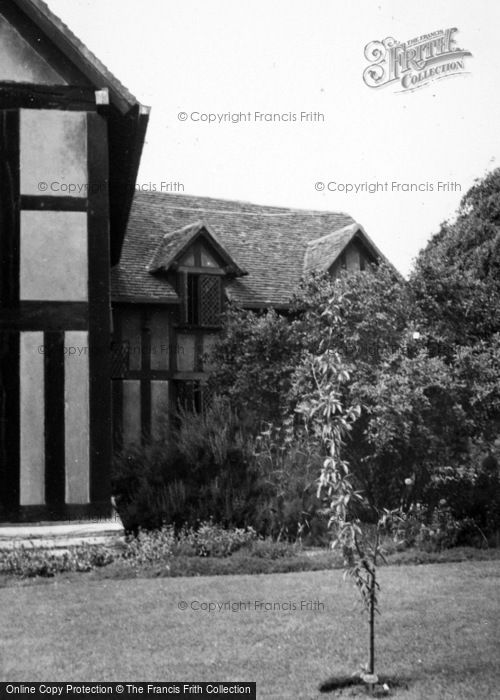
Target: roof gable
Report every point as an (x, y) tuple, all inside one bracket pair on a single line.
[(174, 246), (323, 252), (20, 62), (51, 55), (59, 48)]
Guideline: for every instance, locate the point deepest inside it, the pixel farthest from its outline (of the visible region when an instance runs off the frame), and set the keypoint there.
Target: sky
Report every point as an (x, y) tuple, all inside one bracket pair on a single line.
[(288, 57)]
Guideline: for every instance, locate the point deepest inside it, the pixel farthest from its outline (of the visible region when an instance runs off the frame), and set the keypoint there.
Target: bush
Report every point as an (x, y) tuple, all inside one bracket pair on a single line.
[(150, 547), (435, 529), (27, 562), (441, 532), (143, 497), (208, 540), (201, 471), (211, 469), (212, 540), (287, 506)]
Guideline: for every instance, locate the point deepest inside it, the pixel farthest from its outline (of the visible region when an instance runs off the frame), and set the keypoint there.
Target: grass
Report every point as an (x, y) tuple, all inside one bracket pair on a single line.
[(439, 631)]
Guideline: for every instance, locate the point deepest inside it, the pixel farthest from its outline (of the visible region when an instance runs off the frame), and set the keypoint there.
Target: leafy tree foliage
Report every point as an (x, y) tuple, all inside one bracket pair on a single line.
[(456, 280), (423, 357)]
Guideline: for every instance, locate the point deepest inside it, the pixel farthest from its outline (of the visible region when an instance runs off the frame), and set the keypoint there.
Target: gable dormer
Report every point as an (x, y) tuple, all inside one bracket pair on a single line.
[(348, 248), (197, 265)]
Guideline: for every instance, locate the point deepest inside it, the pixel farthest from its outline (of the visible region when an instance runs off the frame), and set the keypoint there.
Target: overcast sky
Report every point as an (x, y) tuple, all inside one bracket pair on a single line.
[(291, 56)]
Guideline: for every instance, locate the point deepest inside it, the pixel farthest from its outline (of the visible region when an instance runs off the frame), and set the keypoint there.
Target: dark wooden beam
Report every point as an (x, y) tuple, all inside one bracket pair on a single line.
[(45, 316), (145, 381), (99, 312), (55, 457), (126, 141), (53, 203), (67, 513), (9, 424), (9, 207), (31, 96)]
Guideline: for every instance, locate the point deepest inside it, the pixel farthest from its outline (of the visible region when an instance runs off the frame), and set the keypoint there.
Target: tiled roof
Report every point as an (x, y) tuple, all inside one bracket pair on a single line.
[(270, 243)]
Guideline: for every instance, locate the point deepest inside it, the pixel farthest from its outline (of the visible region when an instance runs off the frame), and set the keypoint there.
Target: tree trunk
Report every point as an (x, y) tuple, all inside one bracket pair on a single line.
[(372, 623)]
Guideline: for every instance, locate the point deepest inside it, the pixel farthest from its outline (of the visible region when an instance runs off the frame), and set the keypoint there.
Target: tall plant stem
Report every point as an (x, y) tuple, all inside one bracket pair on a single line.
[(373, 584)]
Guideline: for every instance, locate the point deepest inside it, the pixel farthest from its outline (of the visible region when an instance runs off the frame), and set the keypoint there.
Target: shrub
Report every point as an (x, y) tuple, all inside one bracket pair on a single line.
[(207, 540), (150, 547), (201, 471), (212, 540), (437, 528), (27, 562), (142, 495), (441, 532), (287, 505)]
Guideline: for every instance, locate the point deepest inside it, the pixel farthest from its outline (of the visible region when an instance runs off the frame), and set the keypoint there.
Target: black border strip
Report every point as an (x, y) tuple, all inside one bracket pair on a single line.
[(100, 428), (54, 419)]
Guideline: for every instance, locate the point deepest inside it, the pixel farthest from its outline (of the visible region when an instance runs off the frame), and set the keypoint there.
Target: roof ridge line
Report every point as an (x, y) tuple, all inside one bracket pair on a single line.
[(290, 212)]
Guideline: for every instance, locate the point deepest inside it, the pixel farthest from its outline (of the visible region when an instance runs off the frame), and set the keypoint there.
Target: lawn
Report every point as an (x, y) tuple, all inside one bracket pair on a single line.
[(439, 630)]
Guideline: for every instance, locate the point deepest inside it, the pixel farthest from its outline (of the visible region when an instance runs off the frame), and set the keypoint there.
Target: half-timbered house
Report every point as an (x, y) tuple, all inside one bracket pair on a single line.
[(111, 299), (183, 258), (70, 142)]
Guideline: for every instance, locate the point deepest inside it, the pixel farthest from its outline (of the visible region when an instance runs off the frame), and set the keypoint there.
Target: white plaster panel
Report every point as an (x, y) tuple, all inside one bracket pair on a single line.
[(131, 333), (159, 408), (20, 62), (32, 415), (54, 153), (131, 392), (159, 340), (185, 353), (53, 263), (76, 416)]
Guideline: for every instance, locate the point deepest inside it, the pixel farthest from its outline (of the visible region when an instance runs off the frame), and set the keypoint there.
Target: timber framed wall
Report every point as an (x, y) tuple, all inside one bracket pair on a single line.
[(55, 392), (155, 361), (143, 367)]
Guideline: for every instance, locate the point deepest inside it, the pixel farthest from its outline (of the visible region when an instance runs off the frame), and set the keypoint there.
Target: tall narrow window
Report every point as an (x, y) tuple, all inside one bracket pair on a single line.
[(193, 300), (210, 300), (203, 300)]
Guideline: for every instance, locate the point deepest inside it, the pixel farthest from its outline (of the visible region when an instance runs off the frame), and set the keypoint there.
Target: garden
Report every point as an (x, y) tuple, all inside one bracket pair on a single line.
[(367, 417)]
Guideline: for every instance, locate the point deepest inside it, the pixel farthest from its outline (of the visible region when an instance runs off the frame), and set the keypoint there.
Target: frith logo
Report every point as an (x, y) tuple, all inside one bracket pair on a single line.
[(414, 63)]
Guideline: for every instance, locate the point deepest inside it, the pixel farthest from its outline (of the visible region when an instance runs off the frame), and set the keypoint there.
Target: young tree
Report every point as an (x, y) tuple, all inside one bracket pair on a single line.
[(320, 380)]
